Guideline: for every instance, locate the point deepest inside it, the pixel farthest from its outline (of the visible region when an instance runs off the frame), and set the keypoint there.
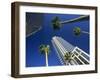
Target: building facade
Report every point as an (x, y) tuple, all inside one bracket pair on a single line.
[(69, 54)]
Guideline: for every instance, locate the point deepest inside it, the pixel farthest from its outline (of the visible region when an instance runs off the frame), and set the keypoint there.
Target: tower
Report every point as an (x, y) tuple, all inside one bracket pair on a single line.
[(69, 54)]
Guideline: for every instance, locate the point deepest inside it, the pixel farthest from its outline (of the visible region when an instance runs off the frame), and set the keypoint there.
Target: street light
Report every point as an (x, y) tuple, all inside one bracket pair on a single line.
[(56, 22)]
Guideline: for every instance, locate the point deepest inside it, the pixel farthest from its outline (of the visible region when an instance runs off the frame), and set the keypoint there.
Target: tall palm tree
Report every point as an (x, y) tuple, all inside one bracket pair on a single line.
[(56, 23), (45, 49), (78, 31), (67, 57)]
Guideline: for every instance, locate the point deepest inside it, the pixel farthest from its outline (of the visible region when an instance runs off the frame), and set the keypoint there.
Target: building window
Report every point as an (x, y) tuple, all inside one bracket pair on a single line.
[(84, 55), (83, 60), (76, 53), (73, 55), (78, 50), (78, 61)]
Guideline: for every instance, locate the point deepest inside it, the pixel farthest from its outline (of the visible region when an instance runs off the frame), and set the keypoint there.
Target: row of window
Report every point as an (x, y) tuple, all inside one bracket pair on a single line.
[(79, 54)]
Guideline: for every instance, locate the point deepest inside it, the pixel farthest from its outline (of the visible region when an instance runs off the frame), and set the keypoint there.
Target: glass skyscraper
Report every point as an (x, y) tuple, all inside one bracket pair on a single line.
[(69, 54)]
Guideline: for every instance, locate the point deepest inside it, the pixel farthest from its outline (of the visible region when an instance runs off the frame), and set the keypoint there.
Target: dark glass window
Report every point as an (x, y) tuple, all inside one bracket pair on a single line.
[(76, 53), (78, 50), (78, 61), (72, 55), (83, 60), (85, 56)]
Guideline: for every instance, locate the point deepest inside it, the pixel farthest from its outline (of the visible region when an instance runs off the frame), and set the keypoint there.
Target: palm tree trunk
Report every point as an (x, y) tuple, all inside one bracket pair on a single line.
[(46, 54), (75, 19), (85, 32)]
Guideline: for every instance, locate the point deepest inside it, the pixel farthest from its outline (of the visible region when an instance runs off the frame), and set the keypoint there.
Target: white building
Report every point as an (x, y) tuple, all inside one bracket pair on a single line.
[(69, 54)]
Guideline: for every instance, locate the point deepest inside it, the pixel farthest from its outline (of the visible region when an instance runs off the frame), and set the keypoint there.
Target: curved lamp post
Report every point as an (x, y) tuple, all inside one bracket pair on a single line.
[(56, 23)]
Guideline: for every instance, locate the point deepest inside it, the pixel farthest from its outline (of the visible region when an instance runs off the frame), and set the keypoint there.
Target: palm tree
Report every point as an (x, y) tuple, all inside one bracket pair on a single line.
[(57, 23), (45, 49), (67, 57), (78, 31)]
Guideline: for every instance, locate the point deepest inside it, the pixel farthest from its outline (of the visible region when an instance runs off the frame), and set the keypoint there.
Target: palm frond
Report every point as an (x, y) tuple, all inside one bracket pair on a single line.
[(56, 23), (77, 31)]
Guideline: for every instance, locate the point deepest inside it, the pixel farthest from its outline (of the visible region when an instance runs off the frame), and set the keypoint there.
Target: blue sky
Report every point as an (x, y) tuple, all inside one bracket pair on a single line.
[(33, 57)]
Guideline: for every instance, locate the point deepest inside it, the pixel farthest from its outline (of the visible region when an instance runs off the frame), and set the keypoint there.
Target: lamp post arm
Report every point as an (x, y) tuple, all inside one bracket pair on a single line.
[(75, 19)]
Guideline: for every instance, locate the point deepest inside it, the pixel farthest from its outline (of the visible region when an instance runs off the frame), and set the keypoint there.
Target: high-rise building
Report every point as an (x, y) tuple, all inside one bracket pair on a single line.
[(69, 54)]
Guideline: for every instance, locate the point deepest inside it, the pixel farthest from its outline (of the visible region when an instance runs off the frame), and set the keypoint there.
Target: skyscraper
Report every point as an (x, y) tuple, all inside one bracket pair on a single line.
[(69, 54)]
